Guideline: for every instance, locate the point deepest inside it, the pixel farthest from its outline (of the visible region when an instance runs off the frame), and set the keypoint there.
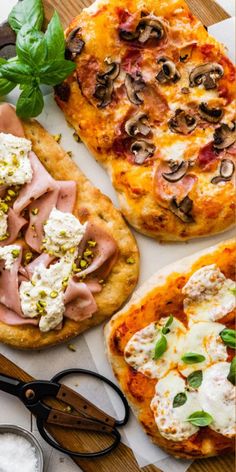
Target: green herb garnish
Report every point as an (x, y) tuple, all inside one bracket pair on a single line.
[(194, 379), (166, 329), (200, 418), (192, 358), (160, 347), (232, 372), (179, 399), (228, 336), (40, 57)]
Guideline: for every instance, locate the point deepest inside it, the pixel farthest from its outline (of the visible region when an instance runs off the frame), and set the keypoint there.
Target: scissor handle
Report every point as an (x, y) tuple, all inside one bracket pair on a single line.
[(67, 372), (85, 455)]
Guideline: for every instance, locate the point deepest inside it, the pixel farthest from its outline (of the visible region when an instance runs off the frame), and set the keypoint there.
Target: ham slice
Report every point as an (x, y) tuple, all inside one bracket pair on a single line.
[(79, 301), (11, 318), (9, 121), (207, 157), (44, 259), (15, 224), (9, 283), (105, 252), (67, 195), (165, 190)]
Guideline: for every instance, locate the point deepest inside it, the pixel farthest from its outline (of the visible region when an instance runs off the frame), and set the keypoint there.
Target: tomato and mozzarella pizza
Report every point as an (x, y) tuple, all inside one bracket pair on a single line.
[(65, 251), (172, 349), (153, 98)]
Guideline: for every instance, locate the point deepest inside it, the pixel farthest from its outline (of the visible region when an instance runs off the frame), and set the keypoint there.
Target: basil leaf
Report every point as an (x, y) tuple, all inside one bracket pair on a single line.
[(179, 400), (55, 72), (165, 329), (160, 347), (228, 336), (232, 372), (5, 86), (16, 72), (2, 61), (194, 379), (31, 46), (30, 102), (26, 11), (192, 358), (55, 39), (200, 418)]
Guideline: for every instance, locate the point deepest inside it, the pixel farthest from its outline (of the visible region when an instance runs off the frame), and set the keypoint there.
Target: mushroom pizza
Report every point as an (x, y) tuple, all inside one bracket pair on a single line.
[(153, 98), (172, 349)]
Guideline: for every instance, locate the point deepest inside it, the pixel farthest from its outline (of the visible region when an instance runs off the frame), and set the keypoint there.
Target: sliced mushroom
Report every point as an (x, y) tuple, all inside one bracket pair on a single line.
[(103, 92), (182, 209), (133, 87), (206, 74), (148, 27), (63, 91), (224, 136), (137, 124), (142, 150), (213, 115), (227, 169), (74, 43), (168, 71), (182, 122), (177, 173), (112, 71)]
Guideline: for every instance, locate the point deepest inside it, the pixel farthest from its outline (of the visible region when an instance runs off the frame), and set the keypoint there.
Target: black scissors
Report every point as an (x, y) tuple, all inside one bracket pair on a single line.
[(88, 418)]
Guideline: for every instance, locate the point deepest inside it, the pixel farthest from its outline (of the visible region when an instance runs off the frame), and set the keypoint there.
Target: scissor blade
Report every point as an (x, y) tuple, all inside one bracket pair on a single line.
[(83, 406), (10, 384)]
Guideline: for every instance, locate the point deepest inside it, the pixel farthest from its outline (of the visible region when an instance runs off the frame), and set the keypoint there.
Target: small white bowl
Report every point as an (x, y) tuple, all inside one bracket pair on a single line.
[(8, 428)]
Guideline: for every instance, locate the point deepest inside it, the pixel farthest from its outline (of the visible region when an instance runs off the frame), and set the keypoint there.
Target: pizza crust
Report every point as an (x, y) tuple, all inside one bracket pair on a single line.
[(212, 443), (90, 204)]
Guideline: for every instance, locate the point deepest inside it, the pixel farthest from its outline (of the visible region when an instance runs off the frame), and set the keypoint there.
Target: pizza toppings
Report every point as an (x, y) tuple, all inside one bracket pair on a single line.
[(105, 83), (133, 86), (137, 124), (15, 167), (227, 168), (224, 136), (113, 70), (74, 43), (206, 75), (149, 27), (182, 209), (178, 171), (208, 295), (168, 71), (142, 150), (182, 122), (213, 115)]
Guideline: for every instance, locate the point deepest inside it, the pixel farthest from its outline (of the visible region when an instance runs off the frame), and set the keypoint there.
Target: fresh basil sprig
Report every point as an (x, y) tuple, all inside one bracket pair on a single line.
[(192, 358), (179, 399), (40, 57), (228, 336), (200, 418), (166, 329), (160, 347), (232, 372), (194, 379)]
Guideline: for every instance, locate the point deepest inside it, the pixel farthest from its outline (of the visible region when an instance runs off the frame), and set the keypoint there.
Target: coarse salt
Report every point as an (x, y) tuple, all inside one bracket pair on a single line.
[(17, 454)]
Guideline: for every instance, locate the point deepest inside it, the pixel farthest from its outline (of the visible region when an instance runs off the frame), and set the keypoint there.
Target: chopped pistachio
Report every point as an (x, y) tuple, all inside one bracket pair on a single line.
[(15, 252), (42, 294), (15, 161), (22, 153), (92, 243), (130, 260), (4, 207), (35, 211), (76, 137), (62, 233), (71, 347), (72, 250), (87, 253), (75, 268), (41, 303), (5, 236), (33, 283), (83, 264), (57, 137), (65, 282), (10, 173), (8, 198), (11, 193), (28, 257), (54, 294)]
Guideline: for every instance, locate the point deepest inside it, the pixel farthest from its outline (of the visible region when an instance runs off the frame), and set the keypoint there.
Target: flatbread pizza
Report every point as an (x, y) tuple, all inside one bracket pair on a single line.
[(153, 98), (67, 259), (172, 349)]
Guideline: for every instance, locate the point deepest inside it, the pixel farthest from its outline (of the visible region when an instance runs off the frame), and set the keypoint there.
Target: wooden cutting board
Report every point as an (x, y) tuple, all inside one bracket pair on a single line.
[(209, 13)]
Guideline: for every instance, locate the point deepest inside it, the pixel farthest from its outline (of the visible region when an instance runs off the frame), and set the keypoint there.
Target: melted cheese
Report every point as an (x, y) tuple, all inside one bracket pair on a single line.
[(171, 421), (139, 351), (15, 167), (203, 338), (217, 396), (209, 295)]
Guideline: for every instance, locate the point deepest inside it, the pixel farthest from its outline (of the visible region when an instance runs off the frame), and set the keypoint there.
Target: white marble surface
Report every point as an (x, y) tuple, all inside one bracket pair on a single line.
[(153, 257)]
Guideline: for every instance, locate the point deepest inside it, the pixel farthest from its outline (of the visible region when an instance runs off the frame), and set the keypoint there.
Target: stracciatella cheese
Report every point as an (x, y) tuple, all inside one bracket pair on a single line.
[(170, 420), (8, 254), (15, 167), (139, 351), (217, 396), (63, 231), (208, 295), (44, 295), (204, 339)]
